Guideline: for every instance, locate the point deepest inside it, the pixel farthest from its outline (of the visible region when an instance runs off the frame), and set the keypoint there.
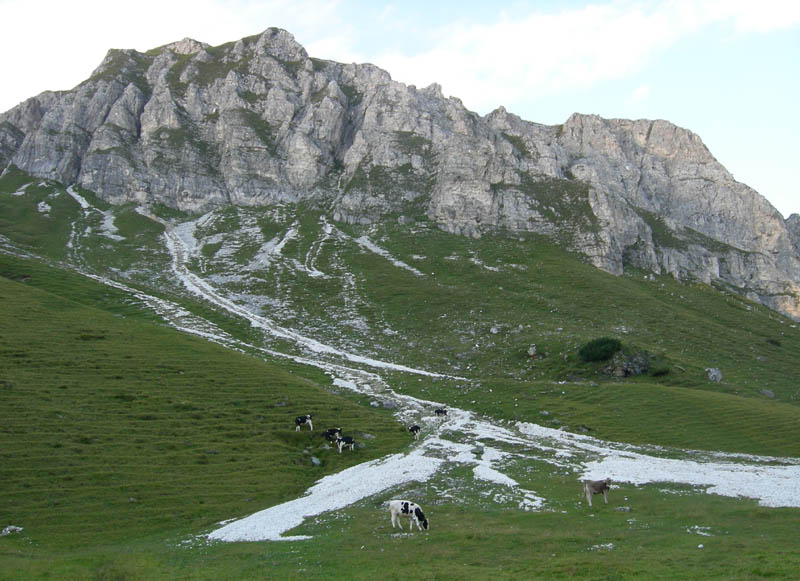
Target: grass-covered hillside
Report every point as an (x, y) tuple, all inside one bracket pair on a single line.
[(115, 428), (123, 440)]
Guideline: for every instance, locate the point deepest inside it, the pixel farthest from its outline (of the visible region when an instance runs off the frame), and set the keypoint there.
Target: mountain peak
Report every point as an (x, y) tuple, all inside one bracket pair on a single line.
[(186, 46), (280, 44), (257, 122)]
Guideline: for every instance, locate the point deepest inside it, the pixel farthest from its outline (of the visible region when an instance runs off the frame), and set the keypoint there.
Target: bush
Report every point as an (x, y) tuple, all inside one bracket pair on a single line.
[(659, 367), (599, 349)]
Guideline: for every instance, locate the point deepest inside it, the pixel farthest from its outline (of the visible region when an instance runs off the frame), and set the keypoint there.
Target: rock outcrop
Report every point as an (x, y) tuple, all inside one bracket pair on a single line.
[(257, 122)]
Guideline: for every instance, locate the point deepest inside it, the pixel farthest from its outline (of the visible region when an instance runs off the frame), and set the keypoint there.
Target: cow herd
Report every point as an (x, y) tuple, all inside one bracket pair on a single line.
[(334, 435), (411, 510)]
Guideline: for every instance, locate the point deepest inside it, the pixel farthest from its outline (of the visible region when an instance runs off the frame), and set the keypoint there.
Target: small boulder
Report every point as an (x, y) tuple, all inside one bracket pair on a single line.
[(628, 364)]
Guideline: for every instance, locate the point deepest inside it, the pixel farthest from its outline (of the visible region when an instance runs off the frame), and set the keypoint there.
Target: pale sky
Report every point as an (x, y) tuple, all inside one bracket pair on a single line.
[(728, 70)]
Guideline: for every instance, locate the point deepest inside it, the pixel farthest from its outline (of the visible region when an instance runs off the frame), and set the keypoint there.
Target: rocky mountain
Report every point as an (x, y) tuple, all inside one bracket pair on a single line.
[(257, 122)]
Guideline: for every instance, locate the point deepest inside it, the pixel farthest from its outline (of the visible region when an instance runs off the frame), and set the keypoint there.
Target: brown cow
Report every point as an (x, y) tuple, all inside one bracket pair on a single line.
[(592, 487)]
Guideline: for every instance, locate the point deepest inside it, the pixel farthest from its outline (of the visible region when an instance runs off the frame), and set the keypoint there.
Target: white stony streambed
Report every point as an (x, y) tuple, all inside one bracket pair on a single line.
[(488, 447), (463, 439)]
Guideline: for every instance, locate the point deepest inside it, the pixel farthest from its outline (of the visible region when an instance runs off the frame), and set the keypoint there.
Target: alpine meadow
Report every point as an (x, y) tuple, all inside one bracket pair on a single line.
[(200, 244)]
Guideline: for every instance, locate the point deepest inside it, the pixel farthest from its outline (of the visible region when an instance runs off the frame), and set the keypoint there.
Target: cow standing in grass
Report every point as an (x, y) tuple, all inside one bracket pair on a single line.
[(331, 434), (346, 442), (300, 420), (398, 508), (415, 430), (592, 487)]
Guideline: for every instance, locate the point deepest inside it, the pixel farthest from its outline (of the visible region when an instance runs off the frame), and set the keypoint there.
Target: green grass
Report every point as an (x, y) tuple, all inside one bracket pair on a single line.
[(651, 541), (20, 218), (643, 413), (122, 440), (658, 539), (115, 429), (561, 303)]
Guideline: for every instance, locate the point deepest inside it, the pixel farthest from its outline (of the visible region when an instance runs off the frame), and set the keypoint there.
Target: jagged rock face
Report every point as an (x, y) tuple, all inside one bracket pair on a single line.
[(258, 122), (793, 227)]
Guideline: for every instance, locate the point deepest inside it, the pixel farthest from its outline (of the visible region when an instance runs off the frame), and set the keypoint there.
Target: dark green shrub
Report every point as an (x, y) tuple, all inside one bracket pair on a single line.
[(659, 367), (599, 349)]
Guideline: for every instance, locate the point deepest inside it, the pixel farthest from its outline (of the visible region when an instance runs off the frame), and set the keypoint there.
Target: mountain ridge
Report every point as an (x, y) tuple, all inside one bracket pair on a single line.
[(257, 122)]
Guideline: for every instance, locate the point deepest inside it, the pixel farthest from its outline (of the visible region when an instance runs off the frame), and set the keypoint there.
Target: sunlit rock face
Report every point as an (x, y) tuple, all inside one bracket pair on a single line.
[(257, 122)]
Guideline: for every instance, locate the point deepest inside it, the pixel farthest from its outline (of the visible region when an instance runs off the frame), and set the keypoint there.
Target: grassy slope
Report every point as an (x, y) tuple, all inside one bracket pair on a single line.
[(482, 303), (116, 430), (654, 541), (559, 303), (101, 409)]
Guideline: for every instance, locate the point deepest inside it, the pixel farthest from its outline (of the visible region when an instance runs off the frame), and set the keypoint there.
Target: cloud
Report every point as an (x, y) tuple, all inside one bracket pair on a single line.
[(763, 16), (514, 55), (539, 53), (640, 94)]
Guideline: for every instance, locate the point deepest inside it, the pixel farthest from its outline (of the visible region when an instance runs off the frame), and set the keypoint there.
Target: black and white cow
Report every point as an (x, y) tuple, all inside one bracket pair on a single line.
[(300, 420), (331, 434), (441, 413), (398, 508), (592, 487), (415, 430), (346, 442)]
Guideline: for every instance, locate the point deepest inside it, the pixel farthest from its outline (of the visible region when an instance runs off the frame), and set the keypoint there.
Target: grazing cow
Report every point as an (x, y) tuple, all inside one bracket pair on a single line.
[(346, 442), (398, 508), (415, 430), (441, 412), (300, 420), (592, 487), (331, 434)]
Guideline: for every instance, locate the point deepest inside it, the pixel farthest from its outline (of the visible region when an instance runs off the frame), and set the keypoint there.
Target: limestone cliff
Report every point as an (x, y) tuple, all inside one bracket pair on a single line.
[(256, 122)]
